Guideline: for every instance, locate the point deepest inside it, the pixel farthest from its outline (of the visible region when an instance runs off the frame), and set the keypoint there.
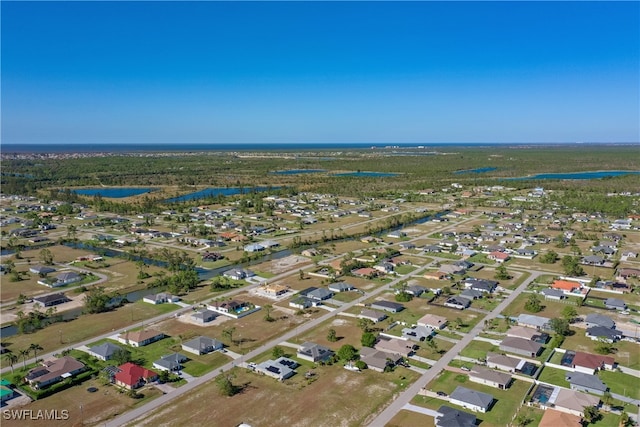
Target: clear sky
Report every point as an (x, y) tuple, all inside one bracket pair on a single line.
[(291, 72)]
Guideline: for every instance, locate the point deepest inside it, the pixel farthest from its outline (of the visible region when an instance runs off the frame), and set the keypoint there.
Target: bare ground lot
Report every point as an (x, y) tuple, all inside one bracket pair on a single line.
[(406, 418), (296, 402), (97, 407)]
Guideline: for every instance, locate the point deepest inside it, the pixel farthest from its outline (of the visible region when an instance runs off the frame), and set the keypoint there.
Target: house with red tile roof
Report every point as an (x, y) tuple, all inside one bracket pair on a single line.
[(132, 376), (591, 363), (565, 285), (498, 256)]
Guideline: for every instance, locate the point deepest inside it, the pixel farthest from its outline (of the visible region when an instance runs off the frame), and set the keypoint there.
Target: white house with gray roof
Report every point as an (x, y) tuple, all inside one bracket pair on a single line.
[(314, 352), (585, 382), (104, 351), (595, 319), (202, 345), (531, 321), (471, 399)]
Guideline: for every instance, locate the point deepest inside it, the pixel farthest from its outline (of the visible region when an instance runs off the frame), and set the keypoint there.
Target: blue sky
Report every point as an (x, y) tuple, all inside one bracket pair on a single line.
[(291, 72)]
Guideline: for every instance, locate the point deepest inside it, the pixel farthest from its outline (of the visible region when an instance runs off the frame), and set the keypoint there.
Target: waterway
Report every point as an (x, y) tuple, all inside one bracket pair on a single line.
[(217, 191), (112, 192), (578, 175)]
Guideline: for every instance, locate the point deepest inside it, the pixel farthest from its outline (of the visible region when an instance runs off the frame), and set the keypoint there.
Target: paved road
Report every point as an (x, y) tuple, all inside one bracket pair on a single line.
[(163, 400), (385, 416)]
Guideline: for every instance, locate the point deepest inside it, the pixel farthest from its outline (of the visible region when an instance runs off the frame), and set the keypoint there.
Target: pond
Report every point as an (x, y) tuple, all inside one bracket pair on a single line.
[(298, 171), (478, 170), (112, 192), (216, 191), (579, 175), (359, 174)]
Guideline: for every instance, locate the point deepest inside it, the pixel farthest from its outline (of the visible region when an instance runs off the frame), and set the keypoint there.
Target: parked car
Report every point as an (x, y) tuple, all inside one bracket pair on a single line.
[(441, 393)]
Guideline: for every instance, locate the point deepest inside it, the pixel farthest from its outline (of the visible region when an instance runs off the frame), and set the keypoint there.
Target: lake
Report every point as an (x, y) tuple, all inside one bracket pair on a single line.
[(367, 174), (298, 171), (216, 191), (579, 175), (112, 192), (478, 170)]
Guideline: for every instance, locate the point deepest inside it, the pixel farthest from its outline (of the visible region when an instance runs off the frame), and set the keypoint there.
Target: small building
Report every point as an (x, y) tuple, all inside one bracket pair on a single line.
[(170, 362), (391, 307), (571, 401), (394, 345), (104, 351), (314, 352), (471, 399), (204, 316), (62, 279), (482, 285), (301, 303), (433, 321), (51, 300), (490, 377), (374, 316), (340, 287), (238, 274), (132, 376), (553, 418), (418, 333), (520, 346), (378, 360), (457, 302), (615, 304), (280, 369), (528, 334), (553, 294), (532, 321), (320, 294), (202, 345), (160, 298), (41, 270), (53, 371), (450, 417), (599, 320), (140, 338), (503, 362), (596, 333), (587, 383), (591, 363)]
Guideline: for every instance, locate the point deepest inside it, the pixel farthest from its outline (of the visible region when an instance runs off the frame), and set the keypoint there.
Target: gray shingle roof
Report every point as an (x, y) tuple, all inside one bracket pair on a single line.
[(586, 380), (472, 397)]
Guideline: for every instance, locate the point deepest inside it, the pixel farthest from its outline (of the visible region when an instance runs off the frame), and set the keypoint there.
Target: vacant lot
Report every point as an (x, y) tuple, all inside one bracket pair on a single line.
[(306, 401), (85, 408), (406, 418)]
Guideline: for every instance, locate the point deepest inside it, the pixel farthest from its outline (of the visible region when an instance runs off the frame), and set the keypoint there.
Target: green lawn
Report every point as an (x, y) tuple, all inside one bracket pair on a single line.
[(607, 420), (478, 349), (505, 405), (620, 383), (554, 376), (405, 269)]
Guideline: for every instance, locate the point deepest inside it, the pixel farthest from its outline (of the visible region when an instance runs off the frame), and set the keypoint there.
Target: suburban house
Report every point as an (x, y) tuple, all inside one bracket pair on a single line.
[(590, 363), (374, 316), (451, 417), (471, 399), (490, 377), (520, 346), (457, 302), (566, 286), (392, 307), (471, 294), (202, 345), (615, 304), (314, 352), (53, 371), (340, 287), (238, 274), (394, 345), (503, 362), (553, 294), (204, 316), (528, 334), (433, 321), (132, 376), (161, 298), (599, 320), (415, 290), (301, 303), (62, 279), (417, 333), (585, 382), (140, 338), (320, 294), (104, 351), (532, 321), (499, 257), (553, 418), (378, 360), (280, 369), (481, 285), (572, 402), (170, 362), (51, 300), (600, 332)]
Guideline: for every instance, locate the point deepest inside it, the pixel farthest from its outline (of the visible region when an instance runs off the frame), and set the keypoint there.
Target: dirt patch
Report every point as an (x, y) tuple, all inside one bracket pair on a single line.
[(286, 264)]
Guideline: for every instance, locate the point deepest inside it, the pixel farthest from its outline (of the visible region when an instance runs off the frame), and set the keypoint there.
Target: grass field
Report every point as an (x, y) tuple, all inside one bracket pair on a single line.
[(478, 349), (505, 405), (619, 383), (554, 376), (64, 334), (307, 400)]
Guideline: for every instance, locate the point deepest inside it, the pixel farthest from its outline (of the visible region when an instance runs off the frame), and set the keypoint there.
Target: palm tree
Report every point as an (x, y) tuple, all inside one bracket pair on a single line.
[(11, 358), (35, 348), (24, 354)]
